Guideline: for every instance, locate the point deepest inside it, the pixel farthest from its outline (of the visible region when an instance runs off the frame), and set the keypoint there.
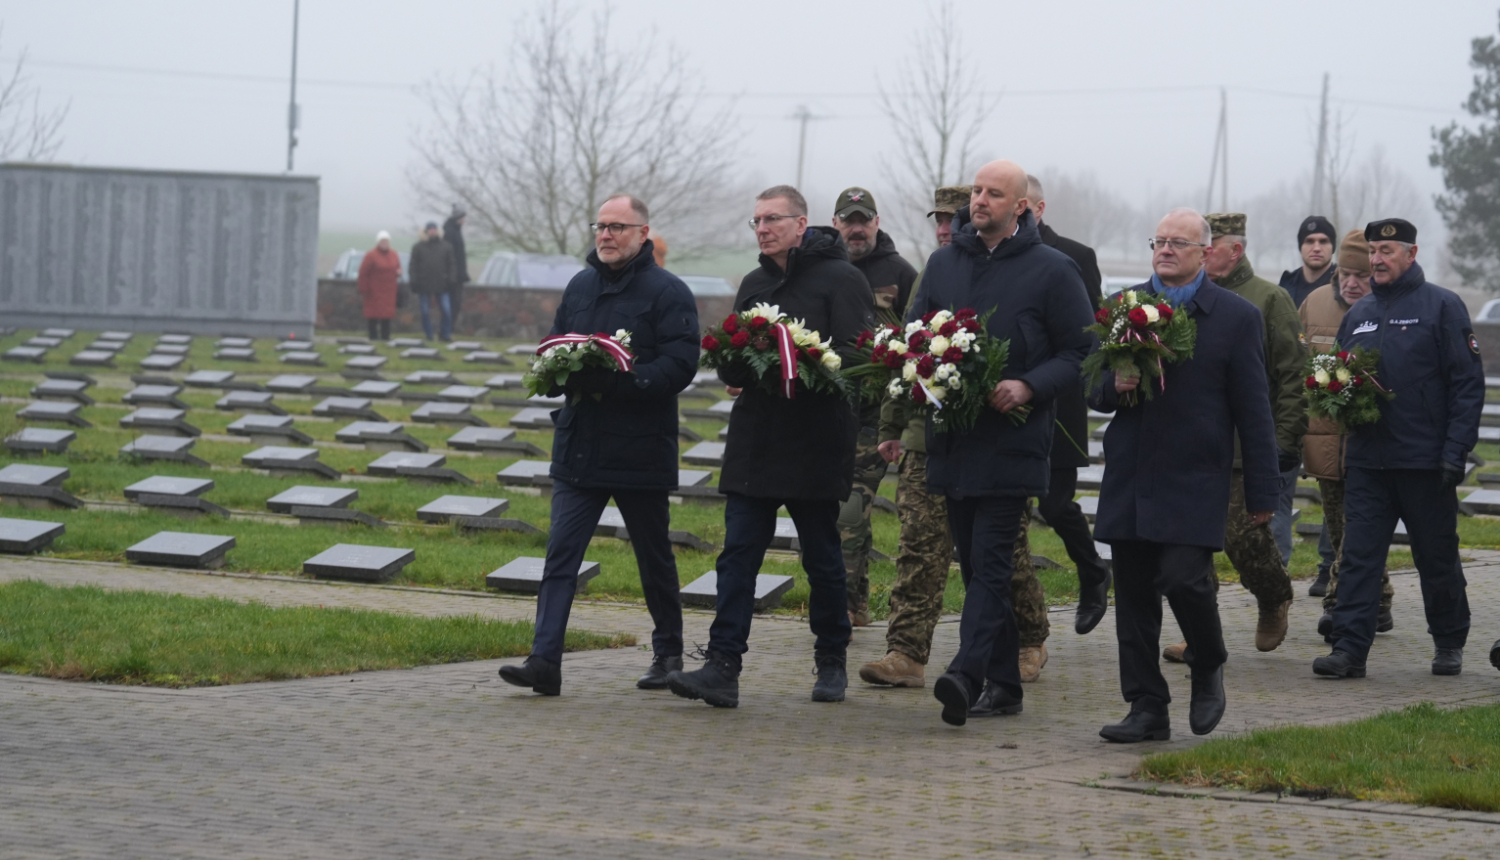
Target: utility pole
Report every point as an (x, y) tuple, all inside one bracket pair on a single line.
[(1322, 154), (803, 116), (291, 113), (1220, 162)]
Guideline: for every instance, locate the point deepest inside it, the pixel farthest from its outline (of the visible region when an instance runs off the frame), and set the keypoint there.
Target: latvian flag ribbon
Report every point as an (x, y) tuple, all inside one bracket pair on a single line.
[(612, 347)]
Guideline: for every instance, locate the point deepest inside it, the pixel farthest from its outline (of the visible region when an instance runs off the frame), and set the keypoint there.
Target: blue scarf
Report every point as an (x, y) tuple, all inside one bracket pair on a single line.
[(1178, 296)]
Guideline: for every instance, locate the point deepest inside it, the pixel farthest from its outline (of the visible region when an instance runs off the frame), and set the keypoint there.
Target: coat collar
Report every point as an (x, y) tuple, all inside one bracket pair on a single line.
[(1238, 276), (615, 280)]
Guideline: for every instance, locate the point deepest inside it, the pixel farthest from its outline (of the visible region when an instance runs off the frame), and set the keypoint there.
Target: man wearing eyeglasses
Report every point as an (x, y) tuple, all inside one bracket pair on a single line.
[(796, 452), (616, 438), (1252, 546)]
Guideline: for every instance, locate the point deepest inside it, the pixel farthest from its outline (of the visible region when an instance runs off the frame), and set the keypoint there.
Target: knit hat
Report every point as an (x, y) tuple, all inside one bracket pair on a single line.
[(458, 211), (382, 235), (1317, 224), (1355, 254), (431, 225)]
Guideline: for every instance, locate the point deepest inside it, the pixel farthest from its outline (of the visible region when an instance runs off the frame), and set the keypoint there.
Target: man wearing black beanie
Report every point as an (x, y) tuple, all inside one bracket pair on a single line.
[(1316, 242)]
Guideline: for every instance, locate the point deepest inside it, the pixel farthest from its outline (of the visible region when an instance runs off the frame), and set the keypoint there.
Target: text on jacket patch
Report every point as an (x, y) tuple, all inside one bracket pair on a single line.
[(1412, 321), (1368, 325)]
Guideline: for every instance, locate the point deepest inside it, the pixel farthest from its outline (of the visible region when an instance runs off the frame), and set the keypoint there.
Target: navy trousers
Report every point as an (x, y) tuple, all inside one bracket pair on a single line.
[(1373, 500), (749, 526), (575, 515), (984, 531), (1145, 572), (1066, 518)]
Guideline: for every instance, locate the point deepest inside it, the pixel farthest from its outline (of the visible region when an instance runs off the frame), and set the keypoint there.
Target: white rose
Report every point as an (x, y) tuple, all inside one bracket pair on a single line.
[(549, 352), (831, 360), (1343, 374), (1152, 314), (1322, 377), (914, 327), (623, 337), (938, 319), (939, 345), (937, 392), (909, 371), (898, 347)]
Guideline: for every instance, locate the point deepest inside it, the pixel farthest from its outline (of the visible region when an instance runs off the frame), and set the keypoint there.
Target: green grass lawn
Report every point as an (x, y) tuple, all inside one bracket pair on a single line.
[(1421, 755), (166, 640)]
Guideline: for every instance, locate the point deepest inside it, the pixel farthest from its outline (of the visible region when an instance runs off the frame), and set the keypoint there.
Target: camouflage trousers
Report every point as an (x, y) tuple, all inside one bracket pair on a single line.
[(854, 520), (1333, 520), (1253, 552), (922, 570)]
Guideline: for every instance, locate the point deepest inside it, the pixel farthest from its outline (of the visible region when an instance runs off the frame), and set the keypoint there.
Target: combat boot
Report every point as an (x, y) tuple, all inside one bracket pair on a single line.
[(662, 665), (1319, 588), (860, 618), (895, 669), (1385, 622), (1325, 626), (717, 683), (1271, 629), (1339, 664), (1174, 653), (1448, 661), (540, 674), (1495, 654), (1031, 662), (833, 678)]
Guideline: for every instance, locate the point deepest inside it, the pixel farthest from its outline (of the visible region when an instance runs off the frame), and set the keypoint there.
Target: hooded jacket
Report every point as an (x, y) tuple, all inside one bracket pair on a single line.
[(884, 267), (802, 448), (1035, 298)]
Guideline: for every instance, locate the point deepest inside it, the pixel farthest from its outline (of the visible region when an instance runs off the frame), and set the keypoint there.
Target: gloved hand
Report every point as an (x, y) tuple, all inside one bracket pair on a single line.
[(1287, 460), (1452, 476), (737, 374), (591, 380)]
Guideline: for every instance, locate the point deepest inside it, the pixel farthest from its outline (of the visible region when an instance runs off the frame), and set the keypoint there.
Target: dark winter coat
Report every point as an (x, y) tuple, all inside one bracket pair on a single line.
[(627, 439), (1295, 283), (801, 448), (431, 267), (453, 234), (1040, 306), (1070, 450), (1169, 458), (1430, 358), (884, 267)]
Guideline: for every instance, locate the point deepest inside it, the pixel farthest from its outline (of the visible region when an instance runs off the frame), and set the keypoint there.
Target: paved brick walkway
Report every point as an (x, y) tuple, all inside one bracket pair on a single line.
[(447, 761)]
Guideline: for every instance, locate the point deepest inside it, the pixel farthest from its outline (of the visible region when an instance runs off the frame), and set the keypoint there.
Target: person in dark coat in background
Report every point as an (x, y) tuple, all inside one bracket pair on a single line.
[(997, 265), (1070, 447), (797, 452), (616, 437), (1164, 503), (431, 271), (1317, 239), (379, 281), (1408, 464), (453, 234)]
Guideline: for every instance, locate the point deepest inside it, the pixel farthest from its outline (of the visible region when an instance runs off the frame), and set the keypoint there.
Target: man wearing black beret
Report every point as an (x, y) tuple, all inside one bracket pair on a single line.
[(1407, 465), (1316, 244)]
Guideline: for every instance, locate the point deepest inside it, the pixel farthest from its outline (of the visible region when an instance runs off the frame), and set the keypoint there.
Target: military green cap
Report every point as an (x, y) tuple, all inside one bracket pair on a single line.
[(950, 198), (1226, 224), (854, 200)]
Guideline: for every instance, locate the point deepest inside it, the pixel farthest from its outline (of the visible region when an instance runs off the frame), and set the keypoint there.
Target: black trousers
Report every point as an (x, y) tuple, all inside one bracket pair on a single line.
[(1373, 500), (984, 531), (1068, 521), (575, 515), (380, 329), (1145, 572)]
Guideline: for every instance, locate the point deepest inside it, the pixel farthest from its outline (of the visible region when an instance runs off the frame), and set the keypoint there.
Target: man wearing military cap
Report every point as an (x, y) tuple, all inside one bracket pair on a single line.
[(945, 204), (1251, 546), (1407, 465)]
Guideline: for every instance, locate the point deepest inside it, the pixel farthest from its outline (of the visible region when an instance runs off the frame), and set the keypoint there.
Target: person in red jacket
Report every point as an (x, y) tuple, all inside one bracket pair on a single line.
[(379, 274)]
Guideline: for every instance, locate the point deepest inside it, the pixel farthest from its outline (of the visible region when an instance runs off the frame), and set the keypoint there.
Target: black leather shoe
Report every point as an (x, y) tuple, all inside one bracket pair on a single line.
[(1448, 661), (540, 674), (1495, 654), (717, 683), (1140, 725), (656, 676), (1319, 588), (1207, 706), (1385, 622), (1092, 604), (833, 677), (1325, 626), (994, 702), (953, 691), (1339, 664)]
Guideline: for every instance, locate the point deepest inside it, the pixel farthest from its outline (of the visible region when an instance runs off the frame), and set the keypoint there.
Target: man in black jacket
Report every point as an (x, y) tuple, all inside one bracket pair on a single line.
[(1070, 447), (1035, 299), (1164, 503), (1317, 239), (453, 234), (794, 452), (617, 438)]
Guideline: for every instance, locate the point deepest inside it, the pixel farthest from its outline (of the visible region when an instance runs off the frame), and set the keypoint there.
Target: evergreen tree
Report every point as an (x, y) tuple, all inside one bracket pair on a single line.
[(1470, 161)]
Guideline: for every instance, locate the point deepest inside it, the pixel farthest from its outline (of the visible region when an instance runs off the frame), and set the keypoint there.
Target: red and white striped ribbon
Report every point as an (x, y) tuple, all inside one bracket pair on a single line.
[(620, 354), (788, 351)]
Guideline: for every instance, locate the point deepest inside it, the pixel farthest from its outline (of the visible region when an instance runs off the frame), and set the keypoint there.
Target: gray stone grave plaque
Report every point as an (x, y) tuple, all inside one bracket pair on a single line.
[(522, 473), (444, 508), (1481, 502), (236, 354), (170, 349), (524, 575), (347, 407), (248, 401), (769, 589), (309, 359), (430, 377), (288, 462), (1105, 551), (173, 448), (360, 563), (611, 523), (380, 436), (1096, 451), (1489, 434), (387, 464), (693, 392), (881, 503), (182, 549), (180, 339), (705, 454), (154, 379), (293, 346), (93, 358), (162, 362), (465, 346), (504, 380), (717, 412), (523, 349), (700, 495), (518, 401), (72, 375), (693, 478), (724, 433), (447, 413), (1098, 432), (28, 536), (354, 339), (421, 353), (63, 389), (706, 377), (785, 536), (39, 440), (234, 343), (291, 383), (163, 485), (532, 419), (208, 378), (1490, 415), (366, 362), (49, 411), (688, 434), (484, 356), (44, 342), (268, 429), (154, 395), (1089, 505), (118, 336), (463, 393), (311, 497), (357, 349), (164, 422), (109, 346), (375, 388), (59, 333), (34, 476), (492, 439), (33, 354), (399, 342), (1090, 477)]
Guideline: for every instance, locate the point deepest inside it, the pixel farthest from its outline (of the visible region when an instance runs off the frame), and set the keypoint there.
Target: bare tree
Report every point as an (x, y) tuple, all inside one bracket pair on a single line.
[(27, 131), (1080, 207), (579, 116), (936, 111)]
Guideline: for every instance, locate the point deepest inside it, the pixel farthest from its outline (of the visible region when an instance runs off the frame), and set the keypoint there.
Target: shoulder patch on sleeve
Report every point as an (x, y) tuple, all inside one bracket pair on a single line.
[(1472, 340)]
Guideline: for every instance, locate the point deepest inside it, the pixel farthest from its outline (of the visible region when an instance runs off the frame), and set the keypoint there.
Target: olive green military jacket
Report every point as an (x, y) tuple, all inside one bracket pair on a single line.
[(1286, 353)]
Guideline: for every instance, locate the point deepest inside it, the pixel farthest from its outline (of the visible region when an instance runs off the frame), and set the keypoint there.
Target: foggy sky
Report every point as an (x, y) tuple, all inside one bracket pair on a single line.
[(1095, 86)]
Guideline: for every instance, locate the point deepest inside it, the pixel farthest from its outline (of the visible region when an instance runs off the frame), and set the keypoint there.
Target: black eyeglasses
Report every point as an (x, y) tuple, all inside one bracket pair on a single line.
[(769, 220), (614, 229), (1176, 244)]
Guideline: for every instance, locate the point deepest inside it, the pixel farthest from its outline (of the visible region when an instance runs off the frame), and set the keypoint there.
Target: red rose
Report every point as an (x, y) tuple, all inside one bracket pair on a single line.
[(1334, 386), (761, 343), (1344, 356), (1312, 382), (758, 323), (891, 360), (926, 365), (972, 325), (1102, 317), (1138, 318), (948, 328), (1358, 380), (814, 353), (966, 313), (918, 395), (731, 324), (864, 338), (879, 352), (917, 341), (1165, 310), (710, 343), (740, 339), (953, 355), (927, 317)]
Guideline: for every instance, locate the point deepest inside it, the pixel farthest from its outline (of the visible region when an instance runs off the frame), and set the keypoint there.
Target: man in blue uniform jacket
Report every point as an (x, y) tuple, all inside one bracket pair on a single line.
[(617, 438), (1164, 501), (1407, 465)]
